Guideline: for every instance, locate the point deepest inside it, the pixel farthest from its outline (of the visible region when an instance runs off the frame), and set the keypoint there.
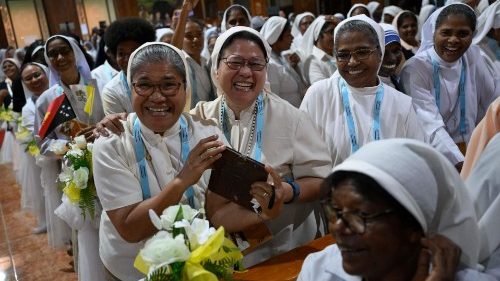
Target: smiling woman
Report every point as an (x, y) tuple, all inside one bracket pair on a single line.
[(368, 109), (448, 80), (173, 149)]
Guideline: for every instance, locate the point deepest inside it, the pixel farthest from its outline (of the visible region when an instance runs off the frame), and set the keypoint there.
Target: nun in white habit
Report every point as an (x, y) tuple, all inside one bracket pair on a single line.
[(358, 9), (32, 188), (69, 75), (428, 228), (353, 107), (284, 80), (296, 29), (483, 185), (235, 15), (389, 13), (317, 60), (449, 112), (290, 144), (488, 20)]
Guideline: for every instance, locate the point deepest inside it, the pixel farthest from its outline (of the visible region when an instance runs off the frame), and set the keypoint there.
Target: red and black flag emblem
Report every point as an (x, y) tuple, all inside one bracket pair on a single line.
[(59, 111)]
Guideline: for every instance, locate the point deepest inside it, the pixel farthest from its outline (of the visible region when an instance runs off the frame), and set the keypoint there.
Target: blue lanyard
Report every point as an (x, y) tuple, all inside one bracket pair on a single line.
[(109, 70), (125, 84), (141, 159), (379, 96), (461, 92), (259, 126)]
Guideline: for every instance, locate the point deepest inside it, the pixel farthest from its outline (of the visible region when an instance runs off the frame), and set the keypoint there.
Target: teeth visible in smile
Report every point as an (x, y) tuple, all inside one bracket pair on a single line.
[(354, 72), (165, 109), (244, 86), (389, 65), (451, 49)]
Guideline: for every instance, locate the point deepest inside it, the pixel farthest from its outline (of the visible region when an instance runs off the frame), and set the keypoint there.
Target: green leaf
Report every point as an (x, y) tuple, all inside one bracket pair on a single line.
[(161, 274)]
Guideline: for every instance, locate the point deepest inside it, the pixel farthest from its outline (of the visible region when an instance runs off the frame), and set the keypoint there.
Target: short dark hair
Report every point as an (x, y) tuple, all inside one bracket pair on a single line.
[(457, 9), (242, 35), (196, 20), (358, 26), (134, 29), (285, 28)]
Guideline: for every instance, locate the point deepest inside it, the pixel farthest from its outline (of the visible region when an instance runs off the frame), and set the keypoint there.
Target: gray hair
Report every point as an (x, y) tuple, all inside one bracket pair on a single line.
[(358, 26), (157, 53)]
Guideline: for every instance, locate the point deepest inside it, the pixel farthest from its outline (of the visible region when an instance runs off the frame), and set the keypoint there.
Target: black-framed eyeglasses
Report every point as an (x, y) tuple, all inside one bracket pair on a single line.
[(166, 89), (237, 62), (63, 51), (359, 54), (356, 221)]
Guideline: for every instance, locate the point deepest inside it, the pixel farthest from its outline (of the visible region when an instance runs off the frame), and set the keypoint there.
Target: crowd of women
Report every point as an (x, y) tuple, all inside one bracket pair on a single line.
[(380, 127)]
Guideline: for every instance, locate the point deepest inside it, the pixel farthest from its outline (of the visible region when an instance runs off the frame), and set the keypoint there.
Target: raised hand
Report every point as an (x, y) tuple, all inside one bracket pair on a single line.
[(201, 157)]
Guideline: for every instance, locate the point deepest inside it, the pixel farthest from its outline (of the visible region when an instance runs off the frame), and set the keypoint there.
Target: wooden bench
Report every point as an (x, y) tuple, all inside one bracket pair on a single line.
[(285, 266)]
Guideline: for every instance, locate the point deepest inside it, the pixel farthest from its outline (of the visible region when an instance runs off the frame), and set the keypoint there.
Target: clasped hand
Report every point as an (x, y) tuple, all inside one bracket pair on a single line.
[(263, 193)]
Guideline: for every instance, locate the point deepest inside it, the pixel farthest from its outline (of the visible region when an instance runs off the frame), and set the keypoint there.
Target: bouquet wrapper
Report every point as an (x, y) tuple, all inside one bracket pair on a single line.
[(70, 213)]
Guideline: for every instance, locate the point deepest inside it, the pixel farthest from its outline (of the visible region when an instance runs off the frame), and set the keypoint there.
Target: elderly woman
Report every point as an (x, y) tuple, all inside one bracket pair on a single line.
[(448, 81), (35, 82), (317, 50), (261, 125), (188, 37), (355, 107), (122, 37), (284, 79), (235, 15), (398, 210), (158, 139), (406, 23)]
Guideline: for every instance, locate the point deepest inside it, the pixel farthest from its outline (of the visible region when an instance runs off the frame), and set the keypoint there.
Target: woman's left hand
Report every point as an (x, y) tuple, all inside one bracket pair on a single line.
[(263, 193)]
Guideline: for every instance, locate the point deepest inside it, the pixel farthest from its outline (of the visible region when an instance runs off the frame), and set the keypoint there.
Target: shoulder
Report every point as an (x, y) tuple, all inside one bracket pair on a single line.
[(112, 146), (207, 109), (420, 61), (114, 82), (48, 95), (321, 265), (322, 89)]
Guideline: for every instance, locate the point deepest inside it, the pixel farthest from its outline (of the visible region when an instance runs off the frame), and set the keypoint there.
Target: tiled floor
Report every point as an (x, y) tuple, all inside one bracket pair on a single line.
[(24, 256)]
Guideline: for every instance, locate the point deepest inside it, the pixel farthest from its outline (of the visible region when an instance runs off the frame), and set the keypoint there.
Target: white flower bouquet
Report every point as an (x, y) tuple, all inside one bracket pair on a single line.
[(76, 175), (187, 248)]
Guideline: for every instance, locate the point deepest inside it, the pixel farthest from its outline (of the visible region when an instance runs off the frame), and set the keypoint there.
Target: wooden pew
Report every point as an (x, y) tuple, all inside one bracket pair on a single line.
[(285, 266)]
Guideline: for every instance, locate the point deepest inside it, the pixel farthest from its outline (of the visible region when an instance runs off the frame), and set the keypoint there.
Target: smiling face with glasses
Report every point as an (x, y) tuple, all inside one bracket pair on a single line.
[(370, 227), (241, 72), (61, 55), (159, 95), (358, 57), (35, 79)]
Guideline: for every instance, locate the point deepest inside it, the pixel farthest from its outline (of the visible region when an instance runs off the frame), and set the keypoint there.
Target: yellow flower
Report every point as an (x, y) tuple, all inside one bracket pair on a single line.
[(72, 192), (33, 150)]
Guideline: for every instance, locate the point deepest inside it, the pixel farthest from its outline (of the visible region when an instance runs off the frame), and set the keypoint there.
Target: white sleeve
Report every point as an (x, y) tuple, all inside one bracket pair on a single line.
[(417, 85), (111, 102), (315, 71)]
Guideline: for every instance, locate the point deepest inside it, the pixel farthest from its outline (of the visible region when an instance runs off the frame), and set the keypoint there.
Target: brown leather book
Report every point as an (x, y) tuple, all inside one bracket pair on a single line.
[(232, 176)]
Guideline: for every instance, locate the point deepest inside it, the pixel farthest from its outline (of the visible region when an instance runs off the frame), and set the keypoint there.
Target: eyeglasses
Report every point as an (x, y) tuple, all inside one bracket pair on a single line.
[(237, 62), (54, 53), (360, 54), (356, 221), (146, 89)]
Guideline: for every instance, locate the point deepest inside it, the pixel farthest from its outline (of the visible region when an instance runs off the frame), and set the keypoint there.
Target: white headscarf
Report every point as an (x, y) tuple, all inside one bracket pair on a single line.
[(426, 184), (181, 55), (27, 93), (218, 45), (311, 35), (391, 33), (429, 27), (378, 29), (272, 29), (296, 23), (489, 19), (425, 12), (484, 187), (340, 16), (14, 61), (160, 32), (223, 26), (372, 7), (81, 63), (390, 10), (356, 6)]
